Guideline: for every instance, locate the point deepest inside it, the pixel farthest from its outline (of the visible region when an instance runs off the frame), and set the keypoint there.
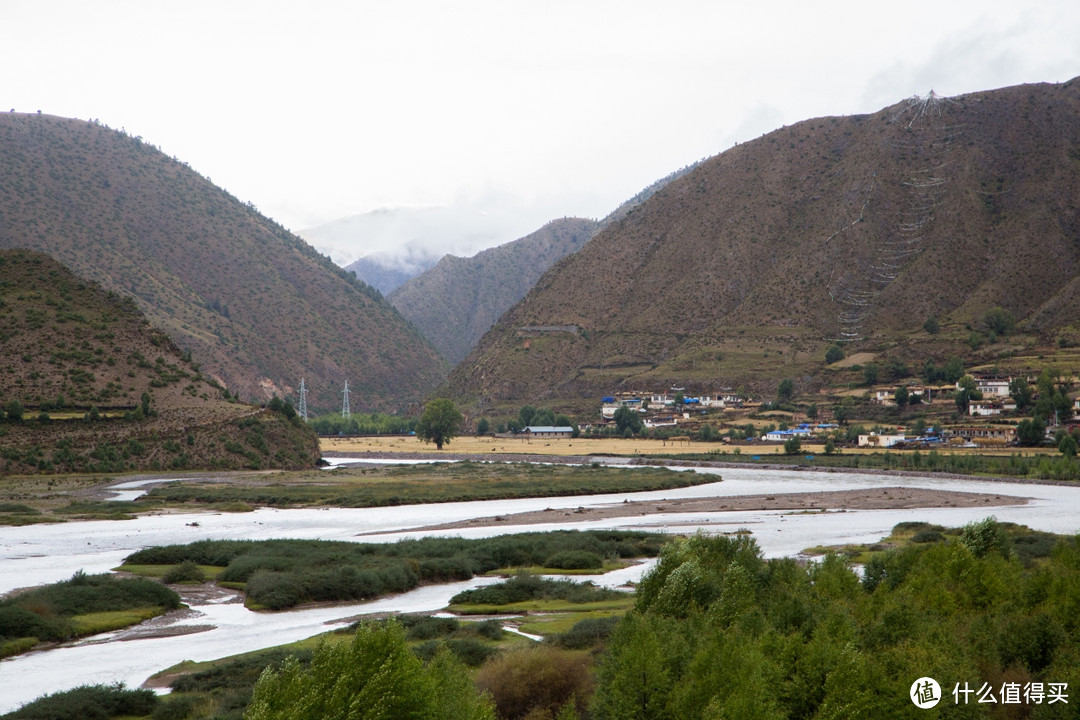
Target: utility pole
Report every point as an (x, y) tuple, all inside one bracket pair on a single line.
[(303, 401), (345, 412)]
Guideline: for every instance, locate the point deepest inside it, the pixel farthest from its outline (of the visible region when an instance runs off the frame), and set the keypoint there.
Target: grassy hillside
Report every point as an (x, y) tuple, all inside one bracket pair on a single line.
[(851, 230), (457, 301), (89, 386), (260, 307)]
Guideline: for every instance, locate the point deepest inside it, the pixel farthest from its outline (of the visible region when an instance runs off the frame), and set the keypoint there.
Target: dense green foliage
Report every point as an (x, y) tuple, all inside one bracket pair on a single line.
[(283, 573), (524, 587), (718, 631), (89, 702), (362, 424), (373, 676), (45, 613), (439, 423)]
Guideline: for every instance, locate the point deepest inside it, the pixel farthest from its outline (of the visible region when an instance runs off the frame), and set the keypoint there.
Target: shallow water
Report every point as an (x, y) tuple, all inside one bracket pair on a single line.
[(48, 553)]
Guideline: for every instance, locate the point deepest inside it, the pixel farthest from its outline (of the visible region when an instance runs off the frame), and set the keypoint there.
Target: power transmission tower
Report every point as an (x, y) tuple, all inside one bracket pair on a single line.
[(345, 413), (303, 400)]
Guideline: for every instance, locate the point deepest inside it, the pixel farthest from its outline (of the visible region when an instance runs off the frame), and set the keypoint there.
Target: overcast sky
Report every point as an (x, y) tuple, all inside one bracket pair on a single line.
[(523, 110)]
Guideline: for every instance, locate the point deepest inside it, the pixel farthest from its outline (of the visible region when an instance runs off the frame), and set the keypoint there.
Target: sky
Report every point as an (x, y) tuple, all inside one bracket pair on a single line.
[(508, 113)]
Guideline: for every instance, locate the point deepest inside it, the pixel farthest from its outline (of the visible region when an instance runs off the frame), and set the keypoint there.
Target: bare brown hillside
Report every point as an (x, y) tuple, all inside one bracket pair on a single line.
[(260, 307), (839, 229), (88, 385)]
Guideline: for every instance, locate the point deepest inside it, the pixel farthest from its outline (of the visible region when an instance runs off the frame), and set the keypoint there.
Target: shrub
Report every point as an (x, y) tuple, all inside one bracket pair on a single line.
[(186, 571), (585, 633), (539, 679), (575, 560)]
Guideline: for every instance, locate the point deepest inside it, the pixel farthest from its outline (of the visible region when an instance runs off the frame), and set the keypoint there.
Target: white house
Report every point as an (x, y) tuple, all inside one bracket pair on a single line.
[(984, 409), (992, 385), (882, 441)]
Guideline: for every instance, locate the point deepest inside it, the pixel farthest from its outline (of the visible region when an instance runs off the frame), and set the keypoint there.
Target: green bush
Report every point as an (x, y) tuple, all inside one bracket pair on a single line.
[(186, 571), (575, 560), (89, 702)]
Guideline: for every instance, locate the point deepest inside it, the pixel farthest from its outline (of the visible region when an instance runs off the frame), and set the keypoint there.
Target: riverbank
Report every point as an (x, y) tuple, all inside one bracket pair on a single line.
[(889, 498)]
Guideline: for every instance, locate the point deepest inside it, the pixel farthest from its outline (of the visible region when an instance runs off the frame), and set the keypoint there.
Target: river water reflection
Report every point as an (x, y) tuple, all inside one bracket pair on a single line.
[(48, 553)]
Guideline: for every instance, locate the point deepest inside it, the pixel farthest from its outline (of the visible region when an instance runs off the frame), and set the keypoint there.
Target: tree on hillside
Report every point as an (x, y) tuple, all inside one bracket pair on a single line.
[(902, 396), (483, 427), (439, 423), (785, 390), (834, 354)]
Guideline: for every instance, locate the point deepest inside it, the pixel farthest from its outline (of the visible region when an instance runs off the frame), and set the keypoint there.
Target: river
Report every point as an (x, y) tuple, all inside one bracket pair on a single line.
[(47, 553)]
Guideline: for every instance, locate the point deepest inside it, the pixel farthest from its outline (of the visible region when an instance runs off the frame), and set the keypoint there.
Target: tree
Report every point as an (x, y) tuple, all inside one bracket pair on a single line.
[(14, 411), (525, 415), (830, 446), (627, 420), (953, 371), (483, 427), (785, 390), (439, 423), (969, 390), (1031, 432), (1020, 392), (999, 320), (1067, 445), (835, 353), (812, 411), (793, 445), (375, 675), (870, 373), (931, 325), (902, 396)]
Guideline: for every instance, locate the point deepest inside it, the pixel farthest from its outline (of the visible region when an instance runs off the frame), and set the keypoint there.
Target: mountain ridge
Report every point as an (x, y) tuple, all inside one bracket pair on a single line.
[(838, 229), (260, 306)]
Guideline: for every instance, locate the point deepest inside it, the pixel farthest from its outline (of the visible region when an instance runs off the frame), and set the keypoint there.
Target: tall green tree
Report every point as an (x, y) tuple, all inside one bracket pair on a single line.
[(627, 419), (633, 681), (439, 423), (374, 677), (785, 390)]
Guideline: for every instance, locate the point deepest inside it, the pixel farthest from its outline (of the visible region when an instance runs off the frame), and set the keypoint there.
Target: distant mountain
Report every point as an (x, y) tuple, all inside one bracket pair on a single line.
[(90, 386), (851, 230), (388, 271), (387, 246), (458, 300), (259, 306)]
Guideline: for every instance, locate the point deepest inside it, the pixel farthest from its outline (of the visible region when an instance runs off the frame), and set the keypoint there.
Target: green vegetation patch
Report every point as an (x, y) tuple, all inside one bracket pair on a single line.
[(432, 483), (717, 629), (278, 574), (83, 605), (89, 701)]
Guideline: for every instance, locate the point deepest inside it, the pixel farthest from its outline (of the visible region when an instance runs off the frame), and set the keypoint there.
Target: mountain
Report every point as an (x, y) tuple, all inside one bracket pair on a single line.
[(387, 271), (459, 299), (851, 230), (91, 386), (260, 307), (394, 244)]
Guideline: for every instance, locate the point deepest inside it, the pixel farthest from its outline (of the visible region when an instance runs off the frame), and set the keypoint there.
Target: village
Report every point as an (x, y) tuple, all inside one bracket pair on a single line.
[(991, 411)]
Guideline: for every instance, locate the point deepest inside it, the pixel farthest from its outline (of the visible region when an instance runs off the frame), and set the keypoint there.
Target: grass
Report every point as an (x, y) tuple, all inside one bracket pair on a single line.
[(99, 622), (531, 607), (607, 567), (159, 571), (411, 484)]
